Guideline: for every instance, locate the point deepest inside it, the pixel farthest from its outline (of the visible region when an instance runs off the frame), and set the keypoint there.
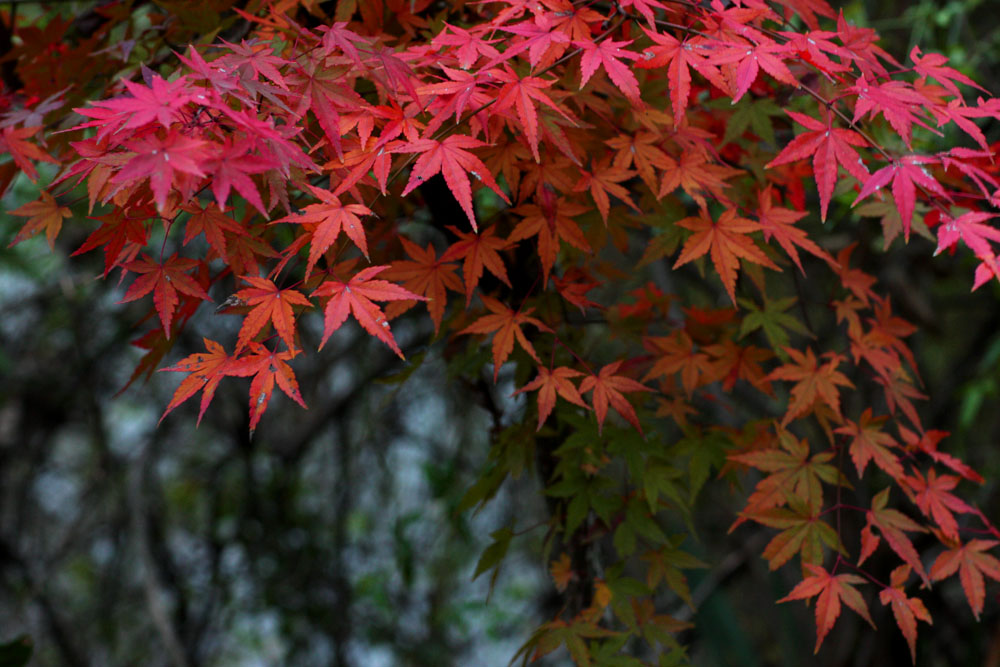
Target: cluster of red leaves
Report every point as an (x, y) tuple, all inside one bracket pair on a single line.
[(532, 111)]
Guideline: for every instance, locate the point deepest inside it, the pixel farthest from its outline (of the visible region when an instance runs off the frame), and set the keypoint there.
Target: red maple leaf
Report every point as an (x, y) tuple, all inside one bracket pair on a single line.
[(356, 297), (906, 610), (12, 142), (933, 66), (609, 54), (893, 525), (330, 218), (906, 174), (450, 157), (267, 367), (211, 222), (609, 390), (206, 370), (521, 94), (550, 384), (507, 325), (164, 280), (162, 101), (160, 160), (678, 56), (605, 179), (550, 224), (829, 146), (831, 589), (932, 495), (269, 304), (971, 562)]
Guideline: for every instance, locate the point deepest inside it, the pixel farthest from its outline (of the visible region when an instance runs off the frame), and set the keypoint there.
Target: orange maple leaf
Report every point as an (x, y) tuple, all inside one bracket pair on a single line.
[(43, 213), (832, 589), (609, 388), (550, 226), (814, 382), (870, 443), (269, 304), (906, 610), (479, 250), (507, 325), (726, 241), (329, 219), (971, 562), (552, 383), (427, 275)]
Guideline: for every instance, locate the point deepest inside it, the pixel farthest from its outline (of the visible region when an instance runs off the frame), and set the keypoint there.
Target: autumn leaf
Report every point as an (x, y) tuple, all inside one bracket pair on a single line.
[(478, 251), (507, 325), (43, 213), (779, 224), (972, 562), (609, 54), (13, 142), (267, 368), (726, 242), (906, 174), (205, 371), (330, 218), (803, 532), (268, 304), (893, 526), (609, 389), (550, 384), (356, 297), (427, 275), (832, 590), (550, 224), (934, 498), (450, 156), (906, 610), (829, 146), (164, 280), (813, 382), (870, 443)]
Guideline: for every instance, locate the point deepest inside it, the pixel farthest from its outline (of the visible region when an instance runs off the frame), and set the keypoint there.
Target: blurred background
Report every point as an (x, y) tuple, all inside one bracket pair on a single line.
[(337, 535)]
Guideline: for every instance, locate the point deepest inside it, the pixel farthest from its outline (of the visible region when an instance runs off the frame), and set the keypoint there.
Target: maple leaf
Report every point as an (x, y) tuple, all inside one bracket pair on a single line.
[(231, 169), (206, 370), (813, 382), (933, 65), (330, 217), (609, 388), (269, 304), (905, 173), (779, 223), (12, 142), (469, 45), (726, 242), (792, 473), (752, 58), (869, 443), (519, 93), (604, 179), (479, 250), (549, 384), (450, 157), (427, 275), (550, 223), (897, 101), (802, 532), (164, 280), (971, 562), (43, 213), (832, 590), (507, 325), (356, 297), (969, 228), (267, 367), (160, 159), (934, 500), (679, 57), (162, 101), (892, 524), (906, 610), (677, 354), (829, 146), (259, 58), (609, 54), (211, 222)]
